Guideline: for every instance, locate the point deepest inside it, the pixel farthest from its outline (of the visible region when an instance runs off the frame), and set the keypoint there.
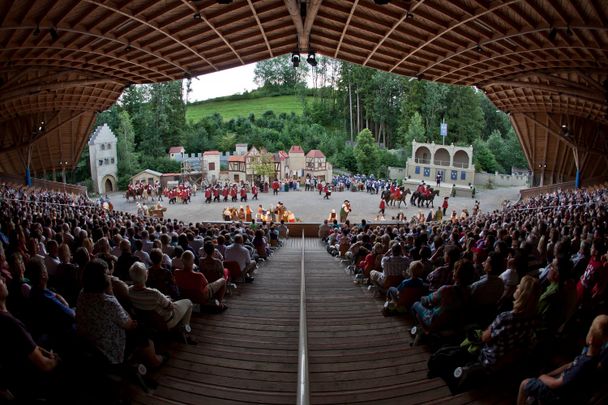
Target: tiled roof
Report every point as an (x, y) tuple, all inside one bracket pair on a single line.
[(176, 149), (315, 153)]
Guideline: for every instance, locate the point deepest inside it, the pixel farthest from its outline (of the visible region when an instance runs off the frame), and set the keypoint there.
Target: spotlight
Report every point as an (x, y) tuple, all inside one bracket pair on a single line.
[(479, 48), (569, 31), (36, 31), (224, 1), (552, 34), (420, 77), (409, 16), (311, 59), (381, 2), (197, 16), (54, 34), (295, 58), (128, 48)]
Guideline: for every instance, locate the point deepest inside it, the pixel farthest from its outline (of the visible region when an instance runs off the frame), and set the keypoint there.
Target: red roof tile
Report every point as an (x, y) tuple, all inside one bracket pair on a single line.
[(176, 149), (236, 158), (296, 149), (211, 152), (315, 153)]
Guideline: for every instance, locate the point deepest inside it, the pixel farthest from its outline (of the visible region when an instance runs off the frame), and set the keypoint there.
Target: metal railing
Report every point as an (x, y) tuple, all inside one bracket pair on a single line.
[(303, 385)]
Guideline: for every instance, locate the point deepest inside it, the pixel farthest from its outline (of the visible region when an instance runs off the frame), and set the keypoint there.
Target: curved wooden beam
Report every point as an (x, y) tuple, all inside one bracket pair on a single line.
[(294, 13), (592, 96), (151, 26), (311, 15), (257, 20), (499, 38), (105, 37), (346, 25), (453, 27)]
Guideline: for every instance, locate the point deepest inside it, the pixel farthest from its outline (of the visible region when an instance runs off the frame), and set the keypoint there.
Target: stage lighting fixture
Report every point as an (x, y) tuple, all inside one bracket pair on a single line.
[(128, 48), (409, 16), (197, 16), (295, 58), (224, 1), (479, 48), (54, 34), (552, 34), (569, 32), (381, 2), (36, 30), (312, 58)]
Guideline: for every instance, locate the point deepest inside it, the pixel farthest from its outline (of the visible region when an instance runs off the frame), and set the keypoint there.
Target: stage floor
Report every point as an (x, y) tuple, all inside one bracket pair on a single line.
[(311, 207)]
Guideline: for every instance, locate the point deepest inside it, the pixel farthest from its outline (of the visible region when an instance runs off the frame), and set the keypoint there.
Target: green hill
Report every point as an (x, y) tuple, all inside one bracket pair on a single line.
[(234, 108)]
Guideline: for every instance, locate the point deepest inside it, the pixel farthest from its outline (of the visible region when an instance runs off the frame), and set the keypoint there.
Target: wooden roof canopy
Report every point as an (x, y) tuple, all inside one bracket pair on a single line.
[(543, 61)]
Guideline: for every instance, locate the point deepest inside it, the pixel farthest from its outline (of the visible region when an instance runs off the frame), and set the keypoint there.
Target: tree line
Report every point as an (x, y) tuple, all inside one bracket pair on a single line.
[(356, 116)]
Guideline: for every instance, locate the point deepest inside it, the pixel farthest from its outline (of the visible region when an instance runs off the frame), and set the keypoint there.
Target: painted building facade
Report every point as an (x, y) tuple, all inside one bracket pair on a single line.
[(455, 163), (103, 160)]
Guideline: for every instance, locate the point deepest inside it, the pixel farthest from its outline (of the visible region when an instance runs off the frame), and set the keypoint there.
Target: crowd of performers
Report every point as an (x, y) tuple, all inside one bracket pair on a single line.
[(219, 193), (143, 190), (274, 214)]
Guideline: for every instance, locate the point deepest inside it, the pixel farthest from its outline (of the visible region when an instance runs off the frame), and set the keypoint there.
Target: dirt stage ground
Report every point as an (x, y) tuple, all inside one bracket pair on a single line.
[(311, 207)]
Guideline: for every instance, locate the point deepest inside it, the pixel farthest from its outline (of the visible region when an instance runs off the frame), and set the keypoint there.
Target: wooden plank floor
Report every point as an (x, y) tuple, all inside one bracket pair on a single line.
[(248, 354)]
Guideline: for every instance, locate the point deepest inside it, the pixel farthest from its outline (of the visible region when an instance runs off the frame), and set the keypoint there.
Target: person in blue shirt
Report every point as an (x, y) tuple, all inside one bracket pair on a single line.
[(572, 379)]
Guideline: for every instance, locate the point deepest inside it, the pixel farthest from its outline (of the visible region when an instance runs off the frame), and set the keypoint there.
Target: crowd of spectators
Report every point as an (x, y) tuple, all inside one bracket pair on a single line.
[(516, 291), (79, 281)]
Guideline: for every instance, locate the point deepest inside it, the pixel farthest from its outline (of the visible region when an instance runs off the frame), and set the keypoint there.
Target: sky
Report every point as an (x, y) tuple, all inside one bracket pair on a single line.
[(222, 83)]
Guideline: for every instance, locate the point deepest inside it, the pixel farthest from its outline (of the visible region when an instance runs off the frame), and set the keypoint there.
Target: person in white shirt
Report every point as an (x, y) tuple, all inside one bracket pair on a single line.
[(238, 253), (141, 255), (51, 261)]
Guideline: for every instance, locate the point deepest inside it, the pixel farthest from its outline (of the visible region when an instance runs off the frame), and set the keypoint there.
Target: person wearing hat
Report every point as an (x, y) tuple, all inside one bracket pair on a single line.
[(445, 204), (344, 211)]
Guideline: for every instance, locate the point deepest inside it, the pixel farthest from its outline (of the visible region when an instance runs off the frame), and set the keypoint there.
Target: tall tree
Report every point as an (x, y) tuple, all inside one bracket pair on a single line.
[(464, 116), (366, 152), (127, 163), (278, 73)]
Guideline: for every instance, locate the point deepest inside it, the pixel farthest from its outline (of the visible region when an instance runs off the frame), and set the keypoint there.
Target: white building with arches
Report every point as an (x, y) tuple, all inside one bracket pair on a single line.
[(455, 163), (103, 160)]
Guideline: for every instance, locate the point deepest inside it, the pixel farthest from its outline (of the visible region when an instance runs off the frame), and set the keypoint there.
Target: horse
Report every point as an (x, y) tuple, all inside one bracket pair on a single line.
[(131, 193), (418, 199), (390, 198)]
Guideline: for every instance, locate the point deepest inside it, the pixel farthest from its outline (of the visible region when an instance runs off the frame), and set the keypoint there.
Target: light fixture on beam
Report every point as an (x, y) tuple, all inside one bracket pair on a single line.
[(409, 16), (312, 58), (295, 58), (479, 48), (36, 31), (197, 16), (552, 34), (569, 31), (381, 2)]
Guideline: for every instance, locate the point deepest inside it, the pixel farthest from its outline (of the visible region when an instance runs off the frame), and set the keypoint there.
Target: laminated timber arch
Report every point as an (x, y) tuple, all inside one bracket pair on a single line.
[(543, 61)]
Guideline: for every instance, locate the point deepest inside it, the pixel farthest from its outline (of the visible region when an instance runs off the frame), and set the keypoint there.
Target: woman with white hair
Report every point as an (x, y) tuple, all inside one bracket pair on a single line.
[(174, 313)]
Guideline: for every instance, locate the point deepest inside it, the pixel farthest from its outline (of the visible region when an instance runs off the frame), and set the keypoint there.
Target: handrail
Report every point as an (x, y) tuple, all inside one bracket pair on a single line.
[(303, 389)]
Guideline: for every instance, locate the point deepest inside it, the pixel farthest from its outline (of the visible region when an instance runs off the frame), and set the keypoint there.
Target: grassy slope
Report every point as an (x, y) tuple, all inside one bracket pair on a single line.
[(233, 108)]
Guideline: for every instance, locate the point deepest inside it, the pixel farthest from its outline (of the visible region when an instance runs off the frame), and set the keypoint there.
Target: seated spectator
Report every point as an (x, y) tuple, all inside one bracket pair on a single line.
[(558, 302), (446, 307), (261, 246), (176, 260), (238, 253), (324, 230), (572, 382), (24, 363), (210, 266), (443, 275), (160, 277), (18, 288), (166, 262), (195, 285), (394, 267), (125, 261), (283, 230), (173, 313), (592, 283), (51, 316), (486, 292), (512, 332), (100, 319), (409, 290), (51, 261), (141, 255)]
